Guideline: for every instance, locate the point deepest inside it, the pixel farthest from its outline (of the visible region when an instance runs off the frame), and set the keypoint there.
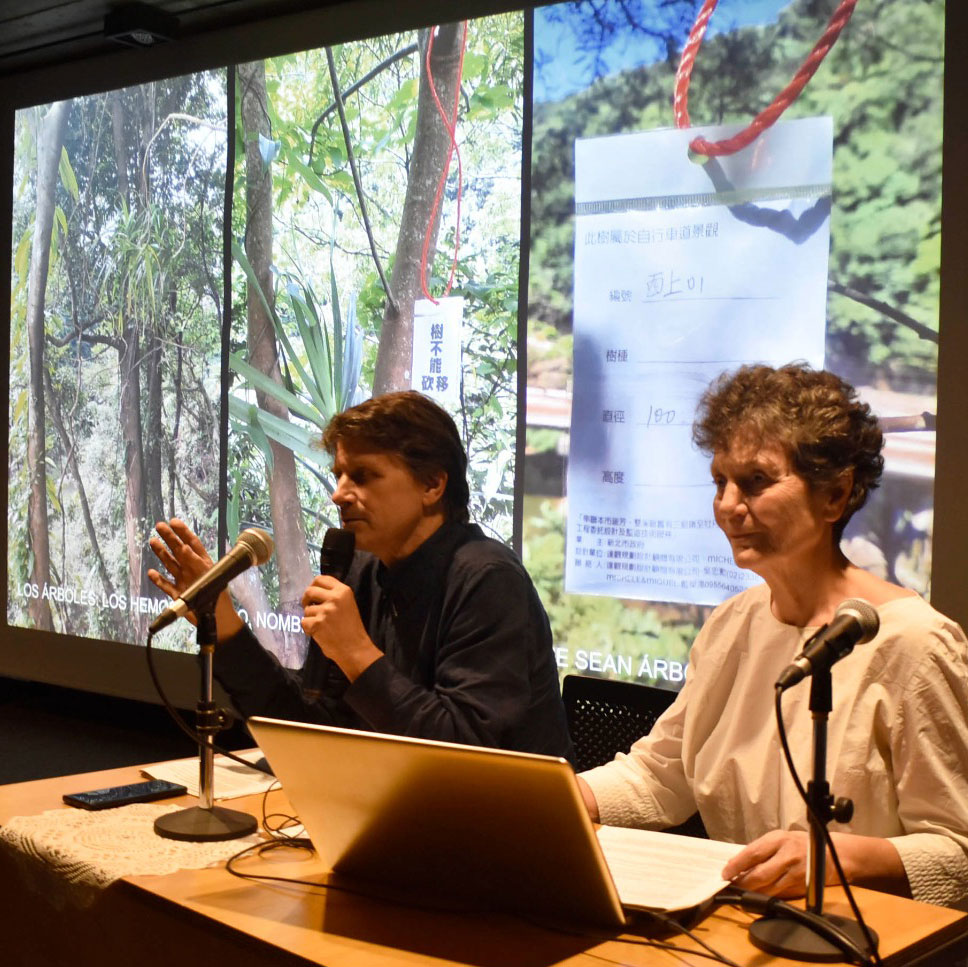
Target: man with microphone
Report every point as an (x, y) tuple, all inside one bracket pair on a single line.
[(434, 630)]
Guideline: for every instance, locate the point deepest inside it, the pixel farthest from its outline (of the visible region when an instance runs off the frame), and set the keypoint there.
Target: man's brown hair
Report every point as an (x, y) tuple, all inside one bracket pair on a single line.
[(414, 428)]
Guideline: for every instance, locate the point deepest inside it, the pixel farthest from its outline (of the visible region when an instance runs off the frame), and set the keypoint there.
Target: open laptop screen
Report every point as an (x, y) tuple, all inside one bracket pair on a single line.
[(475, 827)]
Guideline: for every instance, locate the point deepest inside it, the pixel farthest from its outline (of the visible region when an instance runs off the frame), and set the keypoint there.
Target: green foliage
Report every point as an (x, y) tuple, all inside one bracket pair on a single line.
[(134, 257), (541, 440), (67, 176), (881, 83), (319, 382), (630, 634), (318, 233)]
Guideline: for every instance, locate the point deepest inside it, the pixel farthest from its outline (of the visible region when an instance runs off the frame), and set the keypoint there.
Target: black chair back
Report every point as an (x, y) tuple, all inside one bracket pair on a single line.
[(605, 717)]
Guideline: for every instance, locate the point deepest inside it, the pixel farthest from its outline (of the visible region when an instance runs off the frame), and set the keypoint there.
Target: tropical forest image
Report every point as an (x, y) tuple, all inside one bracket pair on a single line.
[(114, 345), (367, 179)]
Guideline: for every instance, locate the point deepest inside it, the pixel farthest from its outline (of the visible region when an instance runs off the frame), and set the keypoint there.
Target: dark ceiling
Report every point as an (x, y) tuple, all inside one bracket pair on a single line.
[(38, 33)]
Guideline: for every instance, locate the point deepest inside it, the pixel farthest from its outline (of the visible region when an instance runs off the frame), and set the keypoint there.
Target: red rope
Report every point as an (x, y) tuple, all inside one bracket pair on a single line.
[(780, 103), (451, 125)]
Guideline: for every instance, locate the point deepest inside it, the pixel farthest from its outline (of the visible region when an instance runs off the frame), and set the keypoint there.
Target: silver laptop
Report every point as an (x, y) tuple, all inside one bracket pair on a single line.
[(454, 824)]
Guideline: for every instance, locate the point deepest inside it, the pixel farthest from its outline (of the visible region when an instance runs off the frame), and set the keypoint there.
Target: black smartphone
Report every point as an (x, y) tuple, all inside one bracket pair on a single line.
[(146, 791)]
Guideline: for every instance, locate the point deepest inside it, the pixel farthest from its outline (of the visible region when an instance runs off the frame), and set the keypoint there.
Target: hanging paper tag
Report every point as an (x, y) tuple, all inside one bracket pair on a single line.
[(682, 271), (437, 333)]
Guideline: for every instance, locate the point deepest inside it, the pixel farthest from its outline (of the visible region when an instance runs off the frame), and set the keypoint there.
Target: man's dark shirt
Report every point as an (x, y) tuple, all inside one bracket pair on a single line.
[(467, 654)]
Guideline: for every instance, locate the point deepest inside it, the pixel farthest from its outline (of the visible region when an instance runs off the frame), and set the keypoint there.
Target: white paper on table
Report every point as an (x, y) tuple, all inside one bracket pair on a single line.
[(677, 279), (230, 779), (664, 871)]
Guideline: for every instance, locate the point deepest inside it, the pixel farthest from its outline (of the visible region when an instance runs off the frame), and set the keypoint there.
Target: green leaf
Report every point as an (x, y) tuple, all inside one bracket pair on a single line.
[(352, 357), (21, 262), (288, 350), (344, 181), (67, 176), (299, 439), (336, 153), (309, 176), (232, 513), (55, 504), (266, 384), (316, 345), (247, 415), (406, 95), (338, 366), (474, 65), (20, 406), (239, 253), (61, 219)]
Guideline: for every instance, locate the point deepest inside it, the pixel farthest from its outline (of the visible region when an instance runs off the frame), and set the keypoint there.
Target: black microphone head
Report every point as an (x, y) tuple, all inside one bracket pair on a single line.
[(258, 543), (864, 613), (336, 555)]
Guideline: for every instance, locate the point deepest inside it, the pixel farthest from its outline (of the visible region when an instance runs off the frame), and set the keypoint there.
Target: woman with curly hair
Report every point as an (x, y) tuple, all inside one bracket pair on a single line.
[(794, 454)]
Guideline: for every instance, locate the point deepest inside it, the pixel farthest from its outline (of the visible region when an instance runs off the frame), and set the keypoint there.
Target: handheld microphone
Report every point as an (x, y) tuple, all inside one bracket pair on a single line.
[(254, 546), (336, 555), (854, 623), (335, 558)]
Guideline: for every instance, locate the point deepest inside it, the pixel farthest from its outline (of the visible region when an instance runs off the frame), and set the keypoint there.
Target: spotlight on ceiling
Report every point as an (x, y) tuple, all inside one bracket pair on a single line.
[(140, 25)]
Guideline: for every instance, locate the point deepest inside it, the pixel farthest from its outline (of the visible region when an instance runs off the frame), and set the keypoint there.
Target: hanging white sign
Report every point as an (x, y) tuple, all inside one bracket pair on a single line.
[(682, 271), (437, 331)]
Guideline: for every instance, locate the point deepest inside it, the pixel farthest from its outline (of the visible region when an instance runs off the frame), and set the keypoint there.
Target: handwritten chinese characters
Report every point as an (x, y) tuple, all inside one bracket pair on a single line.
[(675, 283)]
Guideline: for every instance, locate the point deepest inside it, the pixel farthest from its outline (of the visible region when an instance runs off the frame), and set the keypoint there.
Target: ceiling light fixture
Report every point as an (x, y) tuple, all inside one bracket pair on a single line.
[(140, 25)]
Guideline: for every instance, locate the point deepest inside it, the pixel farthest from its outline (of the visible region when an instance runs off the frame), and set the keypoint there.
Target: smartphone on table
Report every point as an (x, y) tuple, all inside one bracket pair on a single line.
[(147, 791)]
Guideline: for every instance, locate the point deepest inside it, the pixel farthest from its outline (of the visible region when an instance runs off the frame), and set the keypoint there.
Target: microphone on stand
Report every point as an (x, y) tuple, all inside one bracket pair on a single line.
[(207, 822), (855, 622), (254, 546)]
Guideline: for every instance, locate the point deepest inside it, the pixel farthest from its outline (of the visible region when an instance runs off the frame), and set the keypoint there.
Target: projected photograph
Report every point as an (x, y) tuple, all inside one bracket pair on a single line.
[(650, 273), (114, 347), (374, 235), (377, 208), (372, 243)]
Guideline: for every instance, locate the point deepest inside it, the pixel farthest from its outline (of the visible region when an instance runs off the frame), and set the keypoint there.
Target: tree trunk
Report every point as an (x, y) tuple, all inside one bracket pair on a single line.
[(135, 332), (120, 145), (394, 359), (154, 359), (50, 141), (292, 554), (69, 445), (176, 423), (133, 453)]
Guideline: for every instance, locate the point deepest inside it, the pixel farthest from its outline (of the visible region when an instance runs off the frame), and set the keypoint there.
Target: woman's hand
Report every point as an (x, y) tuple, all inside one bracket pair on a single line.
[(185, 559), (776, 864)]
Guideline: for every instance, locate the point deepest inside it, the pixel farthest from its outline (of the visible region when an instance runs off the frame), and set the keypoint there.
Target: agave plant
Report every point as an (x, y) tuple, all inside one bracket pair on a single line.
[(321, 371)]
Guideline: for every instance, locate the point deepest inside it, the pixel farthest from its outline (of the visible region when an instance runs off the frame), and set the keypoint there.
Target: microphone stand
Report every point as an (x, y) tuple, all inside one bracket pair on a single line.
[(775, 934), (206, 822)]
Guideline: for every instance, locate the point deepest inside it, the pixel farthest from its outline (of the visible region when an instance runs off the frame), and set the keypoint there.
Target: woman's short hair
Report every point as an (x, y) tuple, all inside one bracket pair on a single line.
[(414, 428), (813, 414)]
